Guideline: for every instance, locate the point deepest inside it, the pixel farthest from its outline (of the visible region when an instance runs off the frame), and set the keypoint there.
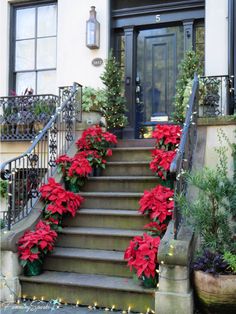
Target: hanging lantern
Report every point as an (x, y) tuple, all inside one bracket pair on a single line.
[(92, 31)]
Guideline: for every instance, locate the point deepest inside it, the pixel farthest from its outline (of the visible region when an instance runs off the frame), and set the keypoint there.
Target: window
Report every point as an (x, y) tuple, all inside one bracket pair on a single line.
[(34, 48)]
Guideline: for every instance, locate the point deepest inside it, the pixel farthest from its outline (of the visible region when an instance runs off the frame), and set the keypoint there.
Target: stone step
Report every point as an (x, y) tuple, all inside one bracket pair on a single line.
[(111, 200), (131, 154), (147, 142), (120, 183), (84, 261), (127, 168), (106, 291), (107, 218), (96, 238)]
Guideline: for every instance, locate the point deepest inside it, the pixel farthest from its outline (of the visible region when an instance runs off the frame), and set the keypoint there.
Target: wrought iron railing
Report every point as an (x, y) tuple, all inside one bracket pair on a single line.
[(27, 172), (22, 117), (184, 156), (216, 96)]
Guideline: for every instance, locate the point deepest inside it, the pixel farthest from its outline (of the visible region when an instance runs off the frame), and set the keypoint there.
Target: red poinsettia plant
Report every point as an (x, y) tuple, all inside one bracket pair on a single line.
[(167, 136), (161, 161), (59, 200), (35, 244), (158, 203), (141, 255), (95, 139)]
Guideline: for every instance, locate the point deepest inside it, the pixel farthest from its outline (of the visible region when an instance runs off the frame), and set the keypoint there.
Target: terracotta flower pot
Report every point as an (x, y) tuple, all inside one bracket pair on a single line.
[(217, 294)]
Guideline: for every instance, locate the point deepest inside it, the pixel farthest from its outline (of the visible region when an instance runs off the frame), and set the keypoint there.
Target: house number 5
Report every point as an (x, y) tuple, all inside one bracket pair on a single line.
[(158, 18)]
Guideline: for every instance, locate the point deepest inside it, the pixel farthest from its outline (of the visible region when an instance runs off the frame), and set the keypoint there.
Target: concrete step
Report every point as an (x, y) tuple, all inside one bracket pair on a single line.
[(96, 238), (148, 142), (120, 183), (84, 261), (121, 292), (107, 218), (131, 153), (111, 200), (127, 168)]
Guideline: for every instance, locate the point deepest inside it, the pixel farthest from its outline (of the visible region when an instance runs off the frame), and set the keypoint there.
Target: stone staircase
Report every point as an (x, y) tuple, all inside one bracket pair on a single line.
[(87, 265)]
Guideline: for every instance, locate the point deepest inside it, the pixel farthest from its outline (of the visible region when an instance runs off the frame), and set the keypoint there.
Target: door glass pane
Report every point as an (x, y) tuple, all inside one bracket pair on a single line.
[(46, 53), (25, 23), (24, 80), (47, 20), (46, 82), (24, 55)]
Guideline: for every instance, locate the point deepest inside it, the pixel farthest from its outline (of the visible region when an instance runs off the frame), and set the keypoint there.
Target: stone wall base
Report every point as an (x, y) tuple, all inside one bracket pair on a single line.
[(173, 303)]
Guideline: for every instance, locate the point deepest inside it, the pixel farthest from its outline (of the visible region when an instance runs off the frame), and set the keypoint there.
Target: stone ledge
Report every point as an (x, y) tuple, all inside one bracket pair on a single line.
[(214, 121)]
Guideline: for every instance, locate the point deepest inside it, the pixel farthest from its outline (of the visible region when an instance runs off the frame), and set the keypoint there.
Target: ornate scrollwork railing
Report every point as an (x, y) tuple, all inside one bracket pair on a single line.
[(21, 117), (183, 159), (216, 96), (27, 172)]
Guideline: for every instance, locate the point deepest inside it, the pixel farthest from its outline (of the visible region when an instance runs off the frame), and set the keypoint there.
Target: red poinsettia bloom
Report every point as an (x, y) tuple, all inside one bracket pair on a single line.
[(95, 138), (167, 136), (73, 202), (161, 162), (54, 208), (34, 244), (142, 255), (51, 190), (79, 166), (155, 227), (158, 203)]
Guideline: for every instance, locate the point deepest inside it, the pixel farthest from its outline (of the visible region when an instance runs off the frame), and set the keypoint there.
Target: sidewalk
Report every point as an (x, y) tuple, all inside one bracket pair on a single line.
[(42, 307)]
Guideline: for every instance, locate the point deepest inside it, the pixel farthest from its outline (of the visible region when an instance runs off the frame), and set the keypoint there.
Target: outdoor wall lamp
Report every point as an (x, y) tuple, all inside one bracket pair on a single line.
[(92, 31)]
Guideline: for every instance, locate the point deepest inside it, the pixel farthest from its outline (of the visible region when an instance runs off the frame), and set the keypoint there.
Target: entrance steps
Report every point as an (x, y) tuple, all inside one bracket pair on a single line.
[(87, 264)]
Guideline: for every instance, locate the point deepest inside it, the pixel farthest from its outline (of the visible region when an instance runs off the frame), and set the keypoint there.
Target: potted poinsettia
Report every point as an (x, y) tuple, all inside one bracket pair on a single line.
[(141, 255), (158, 204), (167, 141), (60, 201), (34, 245), (95, 139)]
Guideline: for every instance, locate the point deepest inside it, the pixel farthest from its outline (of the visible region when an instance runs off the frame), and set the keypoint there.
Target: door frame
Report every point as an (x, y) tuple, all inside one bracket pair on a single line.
[(130, 21)]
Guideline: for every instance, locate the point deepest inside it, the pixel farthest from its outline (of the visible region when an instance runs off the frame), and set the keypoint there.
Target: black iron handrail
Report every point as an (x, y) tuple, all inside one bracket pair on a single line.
[(27, 172), (183, 159)]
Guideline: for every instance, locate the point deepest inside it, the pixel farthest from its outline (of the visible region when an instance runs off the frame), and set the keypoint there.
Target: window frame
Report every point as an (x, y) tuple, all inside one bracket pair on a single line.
[(12, 41)]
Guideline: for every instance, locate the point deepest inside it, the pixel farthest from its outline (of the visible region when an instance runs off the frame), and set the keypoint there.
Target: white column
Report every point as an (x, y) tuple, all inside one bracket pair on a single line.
[(216, 37)]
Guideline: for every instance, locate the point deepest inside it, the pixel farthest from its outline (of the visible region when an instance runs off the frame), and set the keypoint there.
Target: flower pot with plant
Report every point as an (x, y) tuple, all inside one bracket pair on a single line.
[(96, 144), (212, 214), (93, 104), (33, 246)]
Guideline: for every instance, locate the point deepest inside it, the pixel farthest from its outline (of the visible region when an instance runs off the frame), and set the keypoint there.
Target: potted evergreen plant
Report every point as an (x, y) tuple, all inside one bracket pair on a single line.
[(212, 214), (114, 111), (93, 105)]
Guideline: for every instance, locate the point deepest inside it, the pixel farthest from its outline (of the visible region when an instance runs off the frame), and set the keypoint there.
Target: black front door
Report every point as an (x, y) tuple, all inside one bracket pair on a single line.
[(159, 51)]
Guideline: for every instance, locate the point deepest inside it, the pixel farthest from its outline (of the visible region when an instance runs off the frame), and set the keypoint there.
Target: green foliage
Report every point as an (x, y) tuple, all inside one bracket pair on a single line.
[(2, 223), (211, 213), (115, 109), (44, 107), (191, 64), (93, 99), (231, 260), (3, 188)]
